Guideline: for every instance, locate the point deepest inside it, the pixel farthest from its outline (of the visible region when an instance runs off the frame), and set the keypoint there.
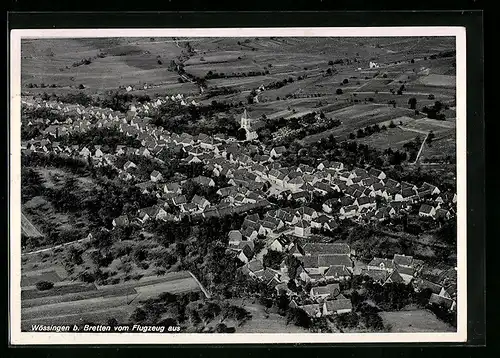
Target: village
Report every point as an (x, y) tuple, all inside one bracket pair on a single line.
[(256, 179)]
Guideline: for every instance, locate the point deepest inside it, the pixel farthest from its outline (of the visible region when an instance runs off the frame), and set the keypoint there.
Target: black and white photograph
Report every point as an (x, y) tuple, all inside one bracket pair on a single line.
[(238, 185)]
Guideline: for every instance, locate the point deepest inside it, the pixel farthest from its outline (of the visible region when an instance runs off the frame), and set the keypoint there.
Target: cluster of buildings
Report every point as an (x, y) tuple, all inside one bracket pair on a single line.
[(254, 175), (325, 265)]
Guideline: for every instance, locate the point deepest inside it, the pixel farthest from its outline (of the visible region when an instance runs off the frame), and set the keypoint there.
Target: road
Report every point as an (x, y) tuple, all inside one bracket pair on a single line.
[(27, 228), (55, 247), (421, 148)]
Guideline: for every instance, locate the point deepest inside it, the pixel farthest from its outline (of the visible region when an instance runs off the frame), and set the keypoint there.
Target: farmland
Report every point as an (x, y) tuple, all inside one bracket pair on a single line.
[(412, 321), (77, 303)]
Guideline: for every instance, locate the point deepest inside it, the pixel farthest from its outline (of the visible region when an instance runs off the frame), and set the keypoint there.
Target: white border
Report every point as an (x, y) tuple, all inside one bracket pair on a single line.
[(24, 338)]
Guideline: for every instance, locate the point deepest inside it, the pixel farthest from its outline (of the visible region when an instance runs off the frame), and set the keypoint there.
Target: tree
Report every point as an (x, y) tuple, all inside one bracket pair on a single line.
[(330, 63), (430, 137), (273, 259), (339, 91), (44, 285), (241, 134), (345, 81)]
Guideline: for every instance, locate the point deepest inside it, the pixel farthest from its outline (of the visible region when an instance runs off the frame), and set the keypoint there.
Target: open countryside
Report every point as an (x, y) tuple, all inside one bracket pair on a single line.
[(248, 185)]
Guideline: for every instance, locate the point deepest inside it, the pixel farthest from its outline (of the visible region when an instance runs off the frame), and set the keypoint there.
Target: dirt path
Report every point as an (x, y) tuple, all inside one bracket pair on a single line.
[(28, 228)]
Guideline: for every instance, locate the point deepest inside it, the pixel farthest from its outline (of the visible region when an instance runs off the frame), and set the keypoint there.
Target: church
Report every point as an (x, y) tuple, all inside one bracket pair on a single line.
[(250, 126)]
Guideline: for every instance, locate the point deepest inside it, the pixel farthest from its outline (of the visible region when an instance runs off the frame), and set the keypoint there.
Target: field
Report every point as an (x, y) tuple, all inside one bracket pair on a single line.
[(77, 305), (415, 321), (265, 323)]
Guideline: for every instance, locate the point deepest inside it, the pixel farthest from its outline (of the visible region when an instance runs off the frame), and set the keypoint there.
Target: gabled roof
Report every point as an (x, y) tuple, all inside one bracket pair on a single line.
[(376, 275), (425, 208), (333, 260), (376, 261), (332, 289), (441, 301), (395, 277), (375, 172), (338, 305), (402, 260), (337, 271), (325, 249), (255, 265)]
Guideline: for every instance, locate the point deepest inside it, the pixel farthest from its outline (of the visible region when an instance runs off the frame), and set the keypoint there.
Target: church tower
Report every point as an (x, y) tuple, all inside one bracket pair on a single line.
[(246, 124), (245, 121)]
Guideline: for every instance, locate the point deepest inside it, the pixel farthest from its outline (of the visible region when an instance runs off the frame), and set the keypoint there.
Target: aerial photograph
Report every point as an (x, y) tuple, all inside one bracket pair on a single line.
[(238, 185)]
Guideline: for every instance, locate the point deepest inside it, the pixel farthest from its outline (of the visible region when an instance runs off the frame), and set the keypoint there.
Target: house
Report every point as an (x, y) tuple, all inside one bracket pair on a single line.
[(295, 183), (172, 188), (123, 175), (121, 221), (200, 201), (445, 302), (306, 213), (337, 273), (320, 293), (280, 244), (381, 264), (426, 211), (323, 165), (338, 306), (366, 202), (277, 152), (313, 248), (179, 200), (85, 152), (296, 250), (377, 173), (348, 211), (246, 254), (146, 187), (406, 273), (394, 277), (422, 284), (249, 233), (377, 275), (403, 260), (406, 194), (254, 266), (432, 188), (442, 214), (156, 176), (204, 181), (235, 237), (320, 221), (327, 260), (128, 165), (302, 229), (313, 310)]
